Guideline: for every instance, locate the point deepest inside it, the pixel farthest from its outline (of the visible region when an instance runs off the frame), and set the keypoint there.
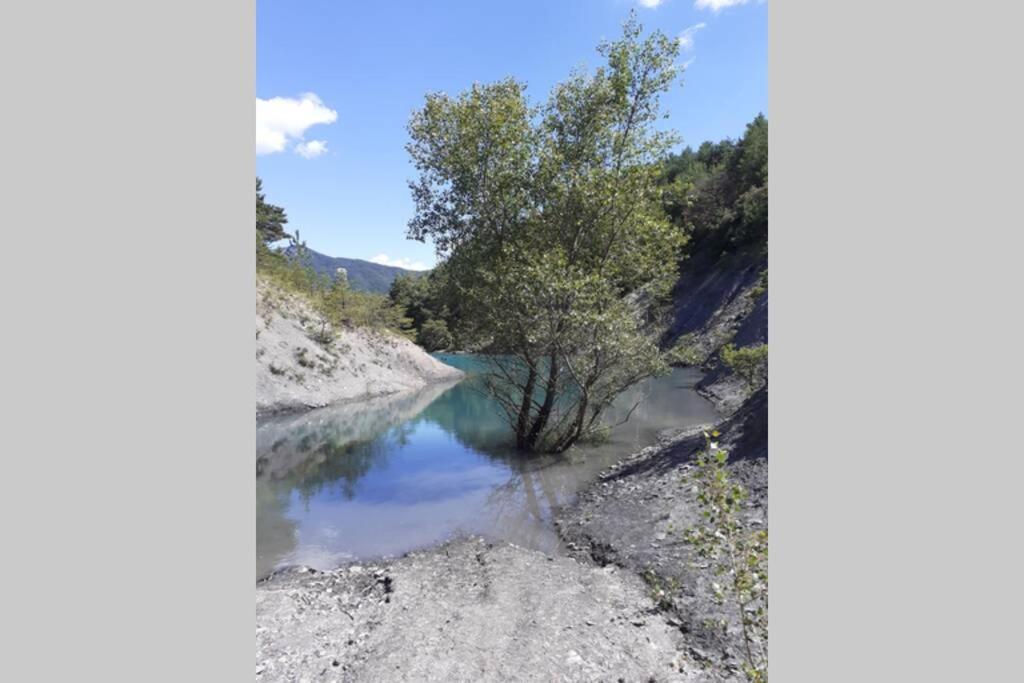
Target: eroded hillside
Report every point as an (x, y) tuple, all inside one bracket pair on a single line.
[(302, 361)]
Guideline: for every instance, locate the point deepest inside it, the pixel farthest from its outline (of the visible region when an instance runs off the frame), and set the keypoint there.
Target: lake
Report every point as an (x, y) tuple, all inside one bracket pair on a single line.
[(383, 476)]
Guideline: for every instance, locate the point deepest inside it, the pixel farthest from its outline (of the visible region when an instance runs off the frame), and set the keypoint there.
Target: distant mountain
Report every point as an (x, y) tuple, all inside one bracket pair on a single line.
[(363, 276)]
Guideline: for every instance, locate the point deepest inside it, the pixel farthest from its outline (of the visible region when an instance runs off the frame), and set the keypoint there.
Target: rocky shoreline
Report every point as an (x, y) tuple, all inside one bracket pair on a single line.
[(635, 515), (628, 603)]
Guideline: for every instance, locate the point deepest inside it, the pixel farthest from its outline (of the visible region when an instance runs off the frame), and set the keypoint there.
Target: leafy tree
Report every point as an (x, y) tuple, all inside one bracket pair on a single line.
[(434, 336), (270, 219), (551, 223), (414, 295), (718, 195), (423, 299)]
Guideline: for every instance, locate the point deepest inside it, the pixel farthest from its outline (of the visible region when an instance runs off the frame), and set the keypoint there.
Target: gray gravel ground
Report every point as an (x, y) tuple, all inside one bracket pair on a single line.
[(466, 611), (635, 515)]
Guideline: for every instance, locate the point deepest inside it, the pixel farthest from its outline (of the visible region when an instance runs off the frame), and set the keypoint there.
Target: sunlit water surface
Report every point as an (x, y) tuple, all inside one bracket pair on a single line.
[(384, 476)]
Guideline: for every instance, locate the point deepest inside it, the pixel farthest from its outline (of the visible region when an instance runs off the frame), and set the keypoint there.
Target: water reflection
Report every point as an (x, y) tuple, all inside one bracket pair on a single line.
[(297, 446), (381, 477)]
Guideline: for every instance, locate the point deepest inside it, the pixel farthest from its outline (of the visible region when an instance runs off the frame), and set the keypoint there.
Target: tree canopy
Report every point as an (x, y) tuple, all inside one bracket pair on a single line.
[(719, 194), (551, 224), (270, 219)]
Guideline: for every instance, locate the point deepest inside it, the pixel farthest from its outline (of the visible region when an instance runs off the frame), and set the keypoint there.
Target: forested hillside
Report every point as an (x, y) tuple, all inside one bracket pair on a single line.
[(363, 276), (718, 196)]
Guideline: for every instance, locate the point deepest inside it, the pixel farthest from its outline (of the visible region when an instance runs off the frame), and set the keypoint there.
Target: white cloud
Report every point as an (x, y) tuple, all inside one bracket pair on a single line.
[(281, 121), (408, 264), (311, 149), (650, 3), (686, 37), (688, 62), (716, 5)]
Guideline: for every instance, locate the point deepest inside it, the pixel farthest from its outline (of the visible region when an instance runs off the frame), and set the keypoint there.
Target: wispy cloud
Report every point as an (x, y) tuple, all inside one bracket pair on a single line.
[(408, 264), (716, 5), (686, 37), (650, 3), (283, 121), (311, 149)]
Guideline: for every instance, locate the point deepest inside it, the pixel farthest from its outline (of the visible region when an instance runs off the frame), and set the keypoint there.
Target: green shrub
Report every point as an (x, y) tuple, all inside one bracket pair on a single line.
[(749, 362), (762, 284), (302, 356), (738, 555), (434, 336)]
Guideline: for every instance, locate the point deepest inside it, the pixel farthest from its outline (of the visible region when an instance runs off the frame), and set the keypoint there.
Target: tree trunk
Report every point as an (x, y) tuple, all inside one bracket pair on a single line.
[(574, 432), (550, 394), (523, 421)]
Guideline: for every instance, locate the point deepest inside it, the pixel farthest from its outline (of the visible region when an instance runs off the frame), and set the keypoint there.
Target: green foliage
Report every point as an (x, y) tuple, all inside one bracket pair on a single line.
[(762, 284), (719, 194), (660, 590), (334, 301), (551, 222), (423, 299), (434, 336), (749, 362), (342, 305), (686, 352), (270, 219), (738, 555)]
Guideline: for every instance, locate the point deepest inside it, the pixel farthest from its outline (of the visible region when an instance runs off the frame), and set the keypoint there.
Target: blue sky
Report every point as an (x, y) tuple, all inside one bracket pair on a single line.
[(337, 81)]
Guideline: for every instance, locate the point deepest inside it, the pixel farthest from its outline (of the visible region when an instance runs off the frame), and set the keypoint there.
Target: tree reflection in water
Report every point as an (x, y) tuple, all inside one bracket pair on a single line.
[(389, 474)]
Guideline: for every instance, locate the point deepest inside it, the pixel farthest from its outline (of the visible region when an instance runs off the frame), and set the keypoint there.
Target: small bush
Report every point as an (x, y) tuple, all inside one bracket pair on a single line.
[(762, 285), (738, 555), (322, 335), (302, 356), (661, 591), (749, 362)]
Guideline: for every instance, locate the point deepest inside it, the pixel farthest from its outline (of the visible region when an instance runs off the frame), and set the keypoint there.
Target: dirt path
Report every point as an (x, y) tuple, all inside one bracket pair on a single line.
[(466, 611)]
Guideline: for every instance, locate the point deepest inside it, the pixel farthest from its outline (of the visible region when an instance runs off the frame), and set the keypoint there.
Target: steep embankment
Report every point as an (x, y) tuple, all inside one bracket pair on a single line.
[(635, 516), (302, 363), (720, 299)]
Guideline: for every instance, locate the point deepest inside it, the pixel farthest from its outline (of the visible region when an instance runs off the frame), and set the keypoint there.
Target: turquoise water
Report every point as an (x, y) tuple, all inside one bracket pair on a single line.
[(388, 475)]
